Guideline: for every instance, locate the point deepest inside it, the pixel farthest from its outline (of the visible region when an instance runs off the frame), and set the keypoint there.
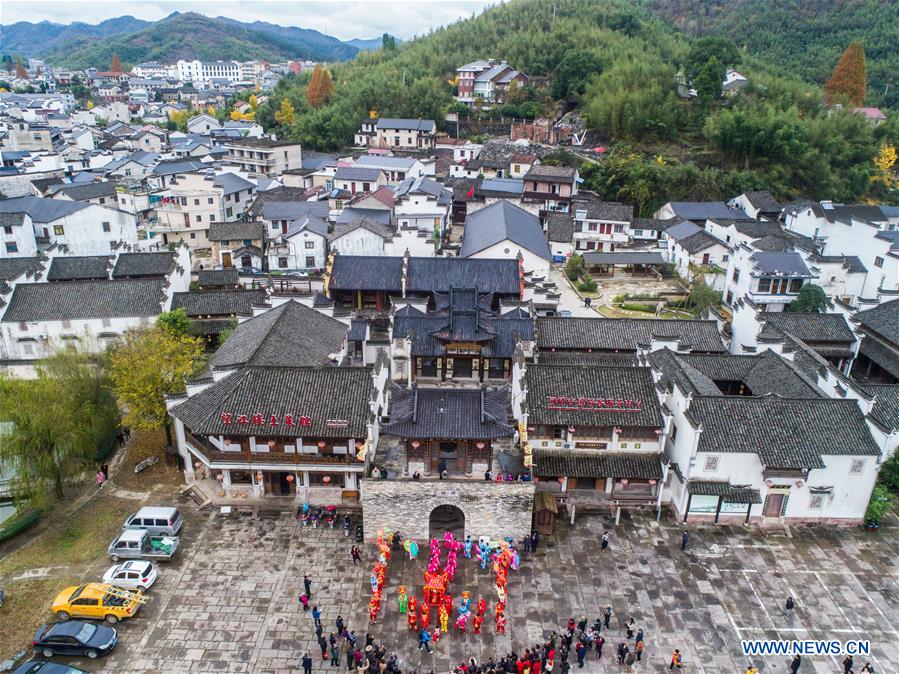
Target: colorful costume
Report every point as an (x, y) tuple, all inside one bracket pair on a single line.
[(425, 611), (482, 606), (476, 623), (468, 545), (462, 621), (402, 598), (413, 616), (443, 614)]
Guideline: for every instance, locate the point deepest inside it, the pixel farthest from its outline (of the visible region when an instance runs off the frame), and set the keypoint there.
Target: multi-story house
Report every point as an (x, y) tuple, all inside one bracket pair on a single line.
[(400, 134), (600, 225), (487, 80), (551, 188), (357, 180), (771, 280), (197, 71), (697, 254), (191, 203), (237, 244), (397, 169), (264, 156), (423, 204)]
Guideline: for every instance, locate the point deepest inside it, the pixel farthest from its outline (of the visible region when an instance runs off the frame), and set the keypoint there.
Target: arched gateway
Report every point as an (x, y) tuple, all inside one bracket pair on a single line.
[(447, 518)]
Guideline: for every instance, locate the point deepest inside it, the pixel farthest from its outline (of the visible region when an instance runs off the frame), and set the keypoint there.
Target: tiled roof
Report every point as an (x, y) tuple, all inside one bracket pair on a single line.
[(851, 263), (366, 223), (588, 359), (134, 265), (290, 335), (236, 231), (369, 175), (560, 227), (886, 407), (449, 413), (763, 201), (810, 327), (881, 355), (10, 267), (731, 493), (624, 257), (626, 334), (551, 173), (200, 303), (366, 272), (699, 241), (544, 382), (85, 299), (779, 264), (79, 268), (422, 125), (755, 229), (322, 393), (12, 219), (784, 433), (705, 210), (93, 190), (207, 278), (596, 463), (41, 210), (352, 214), (654, 224), (607, 211), (503, 221), (231, 183), (439, 274), (882, 319)]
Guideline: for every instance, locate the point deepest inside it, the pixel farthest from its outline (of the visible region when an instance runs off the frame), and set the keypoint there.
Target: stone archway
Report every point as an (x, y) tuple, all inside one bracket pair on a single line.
[(446, 518)]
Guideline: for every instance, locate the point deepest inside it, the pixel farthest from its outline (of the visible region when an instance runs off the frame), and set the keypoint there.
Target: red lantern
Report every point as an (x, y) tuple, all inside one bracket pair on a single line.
[(326, 479), (480, 445), (416, 444), (271, 444), (290, 478), (799, 483), (322, 444), (652, 482), (769, 482), (625, 481)]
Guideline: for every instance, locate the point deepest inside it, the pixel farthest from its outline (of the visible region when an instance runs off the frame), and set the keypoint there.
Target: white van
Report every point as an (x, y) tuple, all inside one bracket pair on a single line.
[(157, 521)]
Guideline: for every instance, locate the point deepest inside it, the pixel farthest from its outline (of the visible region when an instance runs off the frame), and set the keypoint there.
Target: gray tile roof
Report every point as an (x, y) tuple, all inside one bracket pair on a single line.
[(560, 227), (12, 219), (597, 463), (290, 335), (763, 201), (231, 183), (366, 272), (699, 241), (882, 319), (882, 355), (208, 278), (449, 413), (779, 264), (731, 493), (654, 224), (369, 175), (321, 393), (786, 434), (705, 210), (588, 359), (134, 265), (607, 211), (290, 209), (545, 382), (79, 268), (208, 303), (423, 125), (625, 334), (10, 267), (624, 257), (755, 229), (503, 221), (93, 190), (352, 214), (366, 223), (811, 328), (545, 173), (886, 407), (389, 163), (40, 209), (85, 300), (236, 231), (166, 168), (439, 274)]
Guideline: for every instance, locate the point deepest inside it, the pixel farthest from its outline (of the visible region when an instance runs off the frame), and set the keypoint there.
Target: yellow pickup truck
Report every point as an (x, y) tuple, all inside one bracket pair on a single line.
[(97, 600)]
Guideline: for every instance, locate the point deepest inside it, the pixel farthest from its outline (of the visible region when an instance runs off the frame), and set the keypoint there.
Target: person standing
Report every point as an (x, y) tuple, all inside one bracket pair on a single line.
[(676, 660), (101, 479), (350, 654), (605, 541), (341, 626), (598, 643), (307, 584), (607, 616), (316, 615), (105, 469), (684, 539), (789, 606), (847, 664), (535, 540), (423, 640), (335, 655), (794, 666), (307, 663), (354, 552), (323, 644), (441, 470), (581, 651), (639, 646)]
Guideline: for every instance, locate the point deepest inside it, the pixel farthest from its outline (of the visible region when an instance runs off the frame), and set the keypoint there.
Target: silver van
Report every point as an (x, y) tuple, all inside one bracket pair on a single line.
[(157, 521)]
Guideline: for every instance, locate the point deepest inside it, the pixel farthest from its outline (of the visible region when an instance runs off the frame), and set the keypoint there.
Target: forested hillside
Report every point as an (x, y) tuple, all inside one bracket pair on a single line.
[(35, 39), (617, 63), (805, 37)]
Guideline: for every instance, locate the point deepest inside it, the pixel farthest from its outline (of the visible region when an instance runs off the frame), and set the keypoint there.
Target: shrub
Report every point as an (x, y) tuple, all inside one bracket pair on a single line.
[(648, 308), (889, 474), (618, 299), (587, 284), (19, 523), (879, 504)]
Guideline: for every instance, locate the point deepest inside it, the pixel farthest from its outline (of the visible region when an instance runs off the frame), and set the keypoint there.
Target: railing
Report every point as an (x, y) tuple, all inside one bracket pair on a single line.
[(214, 455)]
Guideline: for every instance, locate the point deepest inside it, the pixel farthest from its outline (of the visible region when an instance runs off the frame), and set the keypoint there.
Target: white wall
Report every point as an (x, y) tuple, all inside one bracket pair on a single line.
[(360, 241), (82, 231), (509, 251)]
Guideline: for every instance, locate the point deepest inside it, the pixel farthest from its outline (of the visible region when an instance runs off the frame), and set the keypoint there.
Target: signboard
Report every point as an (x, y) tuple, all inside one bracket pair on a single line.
[(270, 420), (700, 503), (582, 404), (734, 507)]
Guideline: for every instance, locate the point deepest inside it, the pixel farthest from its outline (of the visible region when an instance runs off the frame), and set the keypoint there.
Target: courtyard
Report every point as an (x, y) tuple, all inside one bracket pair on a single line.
[(229, 604)]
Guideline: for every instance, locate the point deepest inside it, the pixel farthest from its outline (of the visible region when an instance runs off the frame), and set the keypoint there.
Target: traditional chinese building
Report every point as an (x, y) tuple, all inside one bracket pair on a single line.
[(594, 434), (463, 340), (275, 414)]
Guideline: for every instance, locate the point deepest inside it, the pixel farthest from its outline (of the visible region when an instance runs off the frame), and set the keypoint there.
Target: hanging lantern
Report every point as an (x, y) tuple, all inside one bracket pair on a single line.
[(322, 444), (271, 444), (197, 464), (416, 444), (652, 482), (220, 477), (259, 476), (625, 481), (480, 445), (326, 479), (290, 478), (769, 482), (561, 480)]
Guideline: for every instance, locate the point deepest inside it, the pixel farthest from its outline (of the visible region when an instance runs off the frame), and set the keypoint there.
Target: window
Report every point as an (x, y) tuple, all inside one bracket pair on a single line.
[(878, 261), (28, 348), (764, 285), (193, 235), (210, 200), (725, 258), (816, 502), (857, 467), (711, 464), (106, 322), (592, 226), (310, 261), (366, 187), (59, 230), (558, 432), (106, 227), (619, 229), (282, 263), (310, 245), (8, 229), (673, 433), (12, 247), (729, 299), (736, 275), (638, 232), (338, 204), (795, 285), (196, 202), (229, 212), (199, 218)]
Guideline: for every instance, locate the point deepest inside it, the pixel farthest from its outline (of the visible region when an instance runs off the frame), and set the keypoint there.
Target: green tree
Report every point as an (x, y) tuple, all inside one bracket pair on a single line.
[(575, 267), (703, 297), (57, 422), (850, 77), (721, 49), (571, 75), (8, 64), (811, 298), (175, 321), (709, 80), (147, 365), (388, 42)]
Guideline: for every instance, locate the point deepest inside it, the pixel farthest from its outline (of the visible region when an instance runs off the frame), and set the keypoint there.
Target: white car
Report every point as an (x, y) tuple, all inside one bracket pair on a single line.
[(135, 574)]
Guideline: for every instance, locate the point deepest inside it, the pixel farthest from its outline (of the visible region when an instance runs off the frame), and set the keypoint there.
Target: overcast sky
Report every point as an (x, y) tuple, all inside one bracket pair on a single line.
[(342, 19)]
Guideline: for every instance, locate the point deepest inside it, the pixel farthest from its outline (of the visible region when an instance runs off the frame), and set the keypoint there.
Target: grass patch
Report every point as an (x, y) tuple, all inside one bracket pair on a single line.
[(143, 445), (27, 607), (76, 539)]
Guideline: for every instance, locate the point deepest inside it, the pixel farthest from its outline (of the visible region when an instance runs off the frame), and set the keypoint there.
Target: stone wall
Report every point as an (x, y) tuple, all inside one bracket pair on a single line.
[(494, 509)]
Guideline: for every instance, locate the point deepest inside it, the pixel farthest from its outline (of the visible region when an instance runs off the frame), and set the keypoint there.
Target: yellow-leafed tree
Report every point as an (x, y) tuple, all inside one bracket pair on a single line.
[(285, 115)]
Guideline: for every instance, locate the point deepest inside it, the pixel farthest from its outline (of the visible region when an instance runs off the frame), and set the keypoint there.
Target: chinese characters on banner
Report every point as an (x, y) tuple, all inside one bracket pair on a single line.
[(271, 420), (594, 404)]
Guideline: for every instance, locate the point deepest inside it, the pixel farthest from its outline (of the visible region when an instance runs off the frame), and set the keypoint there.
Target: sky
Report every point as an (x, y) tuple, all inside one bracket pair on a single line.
[(344, 19)]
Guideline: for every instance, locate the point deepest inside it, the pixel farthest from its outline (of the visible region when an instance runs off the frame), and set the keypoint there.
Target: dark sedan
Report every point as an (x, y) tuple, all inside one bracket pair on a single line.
[(75, 637), (47, 667)]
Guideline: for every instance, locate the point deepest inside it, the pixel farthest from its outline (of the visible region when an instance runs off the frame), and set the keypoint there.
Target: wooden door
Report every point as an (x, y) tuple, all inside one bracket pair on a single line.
[(226, 260), (774, 505)]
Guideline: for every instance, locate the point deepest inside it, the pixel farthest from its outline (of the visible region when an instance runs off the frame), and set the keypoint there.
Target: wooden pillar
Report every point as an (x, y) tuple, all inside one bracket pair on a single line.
[(687, 509), (718, 509)]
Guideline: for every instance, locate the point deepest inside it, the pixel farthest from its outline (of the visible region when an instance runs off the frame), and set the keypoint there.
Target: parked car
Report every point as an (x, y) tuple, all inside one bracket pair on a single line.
[(297, 274), (136, 574), (47, 667), (97, 600), (564, 313), (74, 637), (251, 270), (139, 544), (158, 520)]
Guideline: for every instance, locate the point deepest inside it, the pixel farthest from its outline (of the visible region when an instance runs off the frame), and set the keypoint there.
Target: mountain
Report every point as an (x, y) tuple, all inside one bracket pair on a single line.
[(366, 45), (177, 36), (805, 37), (36, 39)]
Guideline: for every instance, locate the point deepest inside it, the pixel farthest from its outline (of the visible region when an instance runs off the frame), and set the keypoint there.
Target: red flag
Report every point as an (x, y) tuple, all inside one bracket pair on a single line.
[(470, 193)]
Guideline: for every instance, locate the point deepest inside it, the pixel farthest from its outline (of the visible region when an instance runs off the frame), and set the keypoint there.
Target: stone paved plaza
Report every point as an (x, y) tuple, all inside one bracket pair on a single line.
[(230, 603)]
